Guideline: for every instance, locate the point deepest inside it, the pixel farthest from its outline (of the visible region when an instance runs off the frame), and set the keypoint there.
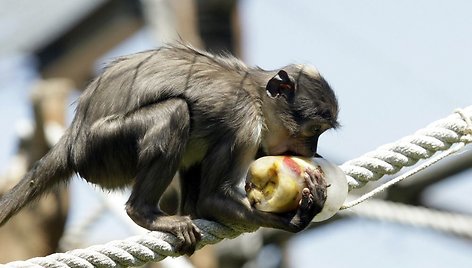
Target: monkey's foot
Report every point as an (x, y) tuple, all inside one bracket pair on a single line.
[(182, 227)]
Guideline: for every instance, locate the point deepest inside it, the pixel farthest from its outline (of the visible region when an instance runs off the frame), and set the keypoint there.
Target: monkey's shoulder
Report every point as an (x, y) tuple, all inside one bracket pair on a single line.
[(215, 84)]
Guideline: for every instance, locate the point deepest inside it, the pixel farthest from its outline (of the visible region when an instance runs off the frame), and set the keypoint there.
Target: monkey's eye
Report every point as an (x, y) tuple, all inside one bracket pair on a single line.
[(315, 129), (311, 130)]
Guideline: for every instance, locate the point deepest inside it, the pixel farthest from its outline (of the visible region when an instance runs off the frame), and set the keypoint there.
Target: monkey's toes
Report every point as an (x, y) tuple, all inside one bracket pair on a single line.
[(182, 227), (188, 236)]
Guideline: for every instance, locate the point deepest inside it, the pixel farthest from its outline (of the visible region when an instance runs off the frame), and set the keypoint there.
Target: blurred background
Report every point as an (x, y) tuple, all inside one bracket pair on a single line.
[(395, 67)]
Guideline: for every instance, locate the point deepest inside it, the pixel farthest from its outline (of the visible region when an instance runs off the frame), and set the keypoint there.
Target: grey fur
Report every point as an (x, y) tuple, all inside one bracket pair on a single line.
[(151, 114)]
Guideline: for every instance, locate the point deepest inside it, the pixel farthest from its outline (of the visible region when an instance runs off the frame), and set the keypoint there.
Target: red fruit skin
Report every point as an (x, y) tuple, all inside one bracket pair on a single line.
[(292, 165)]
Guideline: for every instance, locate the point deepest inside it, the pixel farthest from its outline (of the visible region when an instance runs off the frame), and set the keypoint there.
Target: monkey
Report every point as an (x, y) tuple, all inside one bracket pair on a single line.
[(175, 109)]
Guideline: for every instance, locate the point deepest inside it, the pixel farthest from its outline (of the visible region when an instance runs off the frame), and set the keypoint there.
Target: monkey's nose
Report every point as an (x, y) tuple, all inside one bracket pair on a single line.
[(314, 148)]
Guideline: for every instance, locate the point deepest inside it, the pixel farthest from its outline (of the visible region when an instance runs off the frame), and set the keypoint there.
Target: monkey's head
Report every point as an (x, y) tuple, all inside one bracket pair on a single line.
[(299, 106)]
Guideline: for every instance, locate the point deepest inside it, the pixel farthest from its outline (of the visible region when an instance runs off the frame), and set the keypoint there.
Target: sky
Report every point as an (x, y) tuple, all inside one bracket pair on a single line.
[(395, 66)]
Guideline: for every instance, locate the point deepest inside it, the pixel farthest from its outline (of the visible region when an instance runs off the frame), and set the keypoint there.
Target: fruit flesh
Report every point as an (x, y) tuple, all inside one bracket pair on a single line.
[(275, 184)]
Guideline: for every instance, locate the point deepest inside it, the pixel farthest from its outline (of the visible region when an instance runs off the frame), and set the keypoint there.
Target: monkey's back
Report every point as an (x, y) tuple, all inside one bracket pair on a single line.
[(216, 90), (178, 71)]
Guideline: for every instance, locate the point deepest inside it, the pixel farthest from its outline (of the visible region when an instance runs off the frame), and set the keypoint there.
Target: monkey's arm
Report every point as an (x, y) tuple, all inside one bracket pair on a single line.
[(232, 207)]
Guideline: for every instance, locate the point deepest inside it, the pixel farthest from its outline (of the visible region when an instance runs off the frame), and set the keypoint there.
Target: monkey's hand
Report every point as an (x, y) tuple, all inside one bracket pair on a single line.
[(181, 227), (313, 199)]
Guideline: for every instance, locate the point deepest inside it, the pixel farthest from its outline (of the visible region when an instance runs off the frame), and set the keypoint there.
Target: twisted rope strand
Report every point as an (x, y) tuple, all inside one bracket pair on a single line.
[(454, 223), (390, 158), (402, 177), (133, 251)]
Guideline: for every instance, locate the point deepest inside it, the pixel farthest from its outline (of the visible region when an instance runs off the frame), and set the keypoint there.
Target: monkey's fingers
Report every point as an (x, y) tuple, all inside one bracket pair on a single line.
[(310, 177), (313, 197), (316, 185), (307, 200), (313, 177), (305, 212)]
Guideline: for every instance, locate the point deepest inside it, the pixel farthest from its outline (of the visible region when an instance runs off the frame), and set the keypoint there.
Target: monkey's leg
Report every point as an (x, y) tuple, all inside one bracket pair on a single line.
[(160, 153)]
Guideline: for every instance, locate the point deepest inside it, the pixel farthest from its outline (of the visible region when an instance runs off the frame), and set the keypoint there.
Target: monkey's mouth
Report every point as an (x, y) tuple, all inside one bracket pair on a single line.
[(290, 152), (302, 154), (290, 149)]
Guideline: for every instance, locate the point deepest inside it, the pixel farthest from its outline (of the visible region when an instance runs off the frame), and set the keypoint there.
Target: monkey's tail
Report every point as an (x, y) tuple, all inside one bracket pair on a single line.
[(47, 172)]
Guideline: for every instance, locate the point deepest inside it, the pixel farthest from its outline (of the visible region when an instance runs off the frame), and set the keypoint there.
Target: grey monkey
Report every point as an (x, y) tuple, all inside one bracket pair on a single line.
[(154, 113)]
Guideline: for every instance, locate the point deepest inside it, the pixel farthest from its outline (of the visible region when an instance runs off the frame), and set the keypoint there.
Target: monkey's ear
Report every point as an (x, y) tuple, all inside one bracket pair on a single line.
[(280, 85)]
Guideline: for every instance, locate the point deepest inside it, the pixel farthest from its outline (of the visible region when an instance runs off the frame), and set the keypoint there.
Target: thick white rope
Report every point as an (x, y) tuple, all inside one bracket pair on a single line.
[(133, 251), (155, 246), (439, 136), (402, 177), (455, 223), (106, 203)]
